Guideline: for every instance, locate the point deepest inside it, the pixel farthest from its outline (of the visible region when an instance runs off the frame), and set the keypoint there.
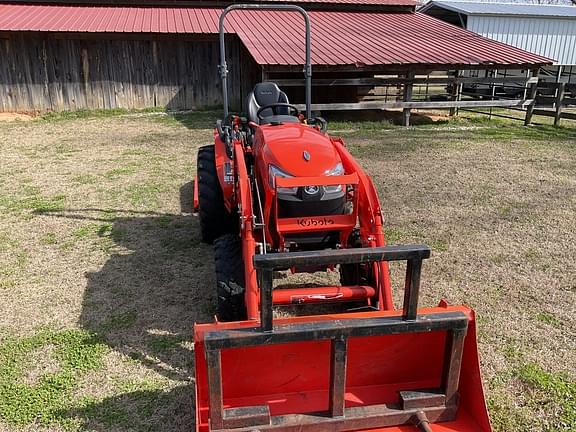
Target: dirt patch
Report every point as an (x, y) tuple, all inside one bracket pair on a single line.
[(42, 363), (9, 117)]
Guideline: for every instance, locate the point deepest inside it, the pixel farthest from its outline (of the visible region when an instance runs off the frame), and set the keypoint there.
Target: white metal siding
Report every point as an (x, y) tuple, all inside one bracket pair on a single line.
[(554, 38)]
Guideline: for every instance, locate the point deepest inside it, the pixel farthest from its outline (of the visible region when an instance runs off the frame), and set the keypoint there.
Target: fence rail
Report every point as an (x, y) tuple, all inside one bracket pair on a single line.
[(440, 92), (559, 96)]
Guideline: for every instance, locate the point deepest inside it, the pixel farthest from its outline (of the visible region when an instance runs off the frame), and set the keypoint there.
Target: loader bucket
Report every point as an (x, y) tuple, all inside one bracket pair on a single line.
[(409, 370)]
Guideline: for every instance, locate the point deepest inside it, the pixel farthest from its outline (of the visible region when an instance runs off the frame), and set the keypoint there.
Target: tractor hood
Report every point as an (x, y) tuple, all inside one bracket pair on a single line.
[(297, 149)]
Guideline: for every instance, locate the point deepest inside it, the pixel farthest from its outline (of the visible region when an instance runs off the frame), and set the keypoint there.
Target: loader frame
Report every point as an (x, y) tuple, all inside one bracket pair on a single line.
[(416, 407)]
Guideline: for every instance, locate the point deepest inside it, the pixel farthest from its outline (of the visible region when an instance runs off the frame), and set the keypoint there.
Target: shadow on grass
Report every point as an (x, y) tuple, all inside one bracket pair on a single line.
[(143, 304), (144, 410), (196, 119)]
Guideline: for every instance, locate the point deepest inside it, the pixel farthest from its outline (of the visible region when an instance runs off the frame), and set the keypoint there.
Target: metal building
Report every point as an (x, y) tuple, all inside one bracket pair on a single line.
[(546, 30)]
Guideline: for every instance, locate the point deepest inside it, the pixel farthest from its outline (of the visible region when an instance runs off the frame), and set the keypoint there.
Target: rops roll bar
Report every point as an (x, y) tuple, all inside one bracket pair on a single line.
[(223, 68)]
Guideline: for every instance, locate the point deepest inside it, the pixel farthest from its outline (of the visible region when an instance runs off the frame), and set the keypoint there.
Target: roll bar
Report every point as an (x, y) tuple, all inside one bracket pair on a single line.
[(223, 68)]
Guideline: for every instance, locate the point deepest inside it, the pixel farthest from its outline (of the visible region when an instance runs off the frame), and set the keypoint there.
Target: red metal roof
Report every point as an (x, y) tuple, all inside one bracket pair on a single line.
[(276, 38), (354, 2)]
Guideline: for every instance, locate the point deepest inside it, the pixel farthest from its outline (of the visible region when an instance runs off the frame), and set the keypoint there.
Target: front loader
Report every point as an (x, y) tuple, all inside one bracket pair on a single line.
[(276, 193)]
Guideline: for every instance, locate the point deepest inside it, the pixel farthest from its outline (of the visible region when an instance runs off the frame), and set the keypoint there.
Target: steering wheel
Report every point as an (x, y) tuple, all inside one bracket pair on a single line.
[(293, 111)]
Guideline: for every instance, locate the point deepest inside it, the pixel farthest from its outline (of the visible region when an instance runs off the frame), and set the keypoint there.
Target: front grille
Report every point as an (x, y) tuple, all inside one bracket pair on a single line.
[(294, 207)]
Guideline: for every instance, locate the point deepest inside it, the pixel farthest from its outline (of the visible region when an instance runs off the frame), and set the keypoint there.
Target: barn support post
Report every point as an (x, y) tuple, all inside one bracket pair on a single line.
[(560, 90), (408, 87), (532, 97)]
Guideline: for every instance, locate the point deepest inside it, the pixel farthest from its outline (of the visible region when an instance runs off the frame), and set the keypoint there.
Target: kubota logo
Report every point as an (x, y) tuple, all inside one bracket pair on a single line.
[(312, 222)]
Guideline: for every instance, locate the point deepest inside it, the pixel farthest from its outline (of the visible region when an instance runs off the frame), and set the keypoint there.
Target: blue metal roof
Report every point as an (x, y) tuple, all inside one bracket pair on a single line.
[(482, 8)]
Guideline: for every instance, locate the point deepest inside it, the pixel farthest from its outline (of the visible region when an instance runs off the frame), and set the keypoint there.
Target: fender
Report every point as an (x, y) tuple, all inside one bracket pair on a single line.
[(225, 170)]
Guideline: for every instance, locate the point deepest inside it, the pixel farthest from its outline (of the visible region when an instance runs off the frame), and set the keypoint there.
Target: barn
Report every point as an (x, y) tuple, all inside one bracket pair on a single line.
[(86, 55)]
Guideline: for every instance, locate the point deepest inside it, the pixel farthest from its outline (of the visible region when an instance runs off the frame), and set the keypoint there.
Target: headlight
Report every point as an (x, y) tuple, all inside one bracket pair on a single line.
[(336, 171), (274, 171)]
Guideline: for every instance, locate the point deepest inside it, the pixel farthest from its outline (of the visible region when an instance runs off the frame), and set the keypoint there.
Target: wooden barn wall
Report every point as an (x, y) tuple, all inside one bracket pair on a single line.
[(40, 72)]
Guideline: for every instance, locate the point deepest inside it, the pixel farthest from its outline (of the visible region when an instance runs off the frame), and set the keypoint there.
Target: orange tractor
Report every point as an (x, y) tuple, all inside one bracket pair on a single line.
[(276, 193)]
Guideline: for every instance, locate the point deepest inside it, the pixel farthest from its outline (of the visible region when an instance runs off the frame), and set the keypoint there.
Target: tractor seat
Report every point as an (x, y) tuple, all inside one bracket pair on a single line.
[(267, 93)]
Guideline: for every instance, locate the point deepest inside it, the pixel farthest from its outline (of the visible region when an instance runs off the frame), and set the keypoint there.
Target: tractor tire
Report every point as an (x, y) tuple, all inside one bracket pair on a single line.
[(230, 279), (215, 219), (355, 274)]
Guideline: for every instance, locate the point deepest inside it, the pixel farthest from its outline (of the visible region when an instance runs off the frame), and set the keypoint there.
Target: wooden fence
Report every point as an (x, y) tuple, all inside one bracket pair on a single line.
[(453, 96), (57, 72), (553, 100)]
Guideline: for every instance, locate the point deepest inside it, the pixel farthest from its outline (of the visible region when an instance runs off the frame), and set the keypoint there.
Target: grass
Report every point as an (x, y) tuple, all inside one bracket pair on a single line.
[(548, 318), (165, 343), (35, 202), (75, 353), (551, 391), (102, 273), (99, 113)]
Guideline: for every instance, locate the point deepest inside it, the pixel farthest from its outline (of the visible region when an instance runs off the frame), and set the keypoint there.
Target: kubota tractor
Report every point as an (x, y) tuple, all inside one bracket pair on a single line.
[(276, 192)]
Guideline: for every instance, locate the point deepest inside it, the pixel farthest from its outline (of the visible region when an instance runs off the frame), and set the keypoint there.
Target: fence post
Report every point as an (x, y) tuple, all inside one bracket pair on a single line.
[(531, 95), (408, 85), (559, 101), (454, 95)]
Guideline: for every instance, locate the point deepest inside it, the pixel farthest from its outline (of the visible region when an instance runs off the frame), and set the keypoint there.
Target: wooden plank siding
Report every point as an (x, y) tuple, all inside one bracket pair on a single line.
[(44, 72)]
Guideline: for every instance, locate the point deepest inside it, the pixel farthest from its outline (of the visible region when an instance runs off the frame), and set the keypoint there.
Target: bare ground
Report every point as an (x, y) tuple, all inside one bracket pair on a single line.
[(95, 234)]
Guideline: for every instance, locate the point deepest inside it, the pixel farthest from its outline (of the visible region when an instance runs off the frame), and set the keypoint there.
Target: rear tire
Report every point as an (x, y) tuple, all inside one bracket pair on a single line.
[(230, 279), (215, 219)]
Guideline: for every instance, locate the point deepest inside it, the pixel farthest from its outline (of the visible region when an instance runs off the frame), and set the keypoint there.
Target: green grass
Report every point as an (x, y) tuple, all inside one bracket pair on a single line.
[(7, 243), (540, 134), (85, 179), (121, 171), (541, 400), (36, 202), (86, 231), (399, 235), (165, 343), (145, 195), (455, 130), (550, 390), (136, 410), (98, 113), (164, 220), (548, 318), (49, 239), (118, 322), (22, 403), (204, 119), (105, 231), (108, 230), (193, 120)]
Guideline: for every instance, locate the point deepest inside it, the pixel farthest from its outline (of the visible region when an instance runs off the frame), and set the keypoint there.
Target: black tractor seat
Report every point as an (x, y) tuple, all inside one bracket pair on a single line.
[(267, 93)]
